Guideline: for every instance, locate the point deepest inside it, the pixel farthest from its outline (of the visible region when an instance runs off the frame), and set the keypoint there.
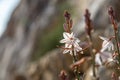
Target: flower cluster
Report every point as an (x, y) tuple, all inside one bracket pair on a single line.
[(105, 55), (109, 52), (71, 42)]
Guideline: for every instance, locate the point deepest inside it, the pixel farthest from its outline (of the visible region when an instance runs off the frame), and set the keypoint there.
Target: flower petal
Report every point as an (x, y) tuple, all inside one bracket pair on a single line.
[(97, 59), (112, 47), (103, 49), (77, 40), (71, 52), (66, 35), (103, 38), (65, 51), (68, 46), (105, 43), (72, 35), (63, 41)]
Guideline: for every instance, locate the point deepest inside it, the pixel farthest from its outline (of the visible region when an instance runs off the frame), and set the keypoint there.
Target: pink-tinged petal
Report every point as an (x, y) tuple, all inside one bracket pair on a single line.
[(66, 35), (109, 48), (77, 40), (103, 38), (71, 52), (97, 59), (63, 41), (112, 47), (103, 49), (76, 44), (104, 43), (68, 46), (107, 45), (65, 51), (75, 53), (110, 60), (79, 48), (72, 35), (81, 52), (105, 56)]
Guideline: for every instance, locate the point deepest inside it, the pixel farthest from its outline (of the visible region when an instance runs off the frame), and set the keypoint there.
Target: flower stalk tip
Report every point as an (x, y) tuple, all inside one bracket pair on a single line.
[(115, 26), (68, 24), (88, 22), (111, 13), (67, 15)]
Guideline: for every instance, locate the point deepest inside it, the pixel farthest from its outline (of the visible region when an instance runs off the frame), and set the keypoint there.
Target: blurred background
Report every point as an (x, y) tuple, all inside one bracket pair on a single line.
[(30, 30)]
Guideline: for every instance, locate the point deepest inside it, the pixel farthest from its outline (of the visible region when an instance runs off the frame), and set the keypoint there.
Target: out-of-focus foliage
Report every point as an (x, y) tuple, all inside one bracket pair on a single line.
[(51, 36)]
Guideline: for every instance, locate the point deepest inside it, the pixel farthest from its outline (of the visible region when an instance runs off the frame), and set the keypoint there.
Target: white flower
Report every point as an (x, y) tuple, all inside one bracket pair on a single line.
[(107, 44), (68, 49), (103, 57), (71, 43)]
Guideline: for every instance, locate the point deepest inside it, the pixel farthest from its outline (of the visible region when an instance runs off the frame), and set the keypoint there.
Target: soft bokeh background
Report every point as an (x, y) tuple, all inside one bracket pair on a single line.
[(30, 30)]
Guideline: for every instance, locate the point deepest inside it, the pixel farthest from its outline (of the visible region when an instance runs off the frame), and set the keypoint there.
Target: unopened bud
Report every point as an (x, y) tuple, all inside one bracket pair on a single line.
[(63, 75), (88, 22)]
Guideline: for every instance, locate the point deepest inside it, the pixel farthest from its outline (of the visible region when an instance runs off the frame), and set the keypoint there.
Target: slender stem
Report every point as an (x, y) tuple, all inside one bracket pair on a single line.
[(117, 45), (76, 68), (92, 54)]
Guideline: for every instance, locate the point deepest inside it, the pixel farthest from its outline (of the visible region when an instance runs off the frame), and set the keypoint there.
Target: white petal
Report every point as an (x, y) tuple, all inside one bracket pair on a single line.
[(105, 56), (66, 35), (112, 47), (109, 45), (68, 46), (71, 52), (103, 49), (109, 48), (79, 48), (76, 44), (72, 35), (104, 43), (110, 60), (77, 40), (103, 38), (63, 41), (105, 46), (65, 51), (97, 59), (75, 52)]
